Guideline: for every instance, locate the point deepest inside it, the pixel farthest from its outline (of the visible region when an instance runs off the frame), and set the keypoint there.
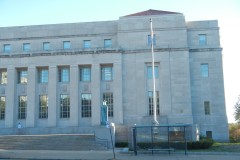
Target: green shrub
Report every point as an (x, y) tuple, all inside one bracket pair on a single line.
[(203, 143), (121, 144)]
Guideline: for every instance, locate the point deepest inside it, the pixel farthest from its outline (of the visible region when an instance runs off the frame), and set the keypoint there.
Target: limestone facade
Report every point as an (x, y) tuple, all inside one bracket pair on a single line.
[(188, 60)]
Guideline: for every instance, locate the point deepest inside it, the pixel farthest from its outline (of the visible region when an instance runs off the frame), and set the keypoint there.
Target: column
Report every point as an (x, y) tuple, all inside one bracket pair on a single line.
[(11, 114), (96, 97), (52, 96), (31, 96), (117, 93), (74, 109)]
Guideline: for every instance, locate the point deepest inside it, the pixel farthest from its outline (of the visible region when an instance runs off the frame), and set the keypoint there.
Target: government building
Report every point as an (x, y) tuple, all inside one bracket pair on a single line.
[(54, 78)]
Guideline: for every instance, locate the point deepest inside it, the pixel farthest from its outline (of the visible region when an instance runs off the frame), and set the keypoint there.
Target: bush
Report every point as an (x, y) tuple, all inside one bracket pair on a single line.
[(204, 143), (121, 144)]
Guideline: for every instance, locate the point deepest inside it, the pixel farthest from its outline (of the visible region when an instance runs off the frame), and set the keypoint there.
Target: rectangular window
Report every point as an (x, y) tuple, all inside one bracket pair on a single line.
[(43, 106), (85, 74), (3, 76), (207, 107), (150, 101), (150, 40), (22, 76), (209, 134), (107, 43), (7, 48), (43, 75), (46, 46), (2, 107), (202, 39), (149, 72), (108, 97), (86, 44), (26, 47), (22, 107), (204, 70), (86, 105), (64, 106), (64, 74), (66, 45), (107, 73)]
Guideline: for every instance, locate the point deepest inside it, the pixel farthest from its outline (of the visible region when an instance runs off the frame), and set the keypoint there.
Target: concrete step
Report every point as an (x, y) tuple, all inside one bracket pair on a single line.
[(81, 142)]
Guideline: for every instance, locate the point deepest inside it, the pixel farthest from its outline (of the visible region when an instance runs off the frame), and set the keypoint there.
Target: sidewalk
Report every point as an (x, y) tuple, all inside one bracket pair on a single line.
[(107, 155)]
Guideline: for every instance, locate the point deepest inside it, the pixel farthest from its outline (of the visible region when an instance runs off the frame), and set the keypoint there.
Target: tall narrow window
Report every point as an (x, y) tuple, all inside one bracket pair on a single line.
[(66, 45), (64, 74), (107, 73), (43, 106), (107, 43), (26, 47), (86, 44), (3, 76), (202, 39), (46, 46), (22, 76), (43, 75), (204, 70), (22, 107), (150, 40), (64, 106), (207, 107), (209, 134), (2, 107), (7, 48), (150, 101), (85, 73), (108, 97), (149, 72), (86, 105)]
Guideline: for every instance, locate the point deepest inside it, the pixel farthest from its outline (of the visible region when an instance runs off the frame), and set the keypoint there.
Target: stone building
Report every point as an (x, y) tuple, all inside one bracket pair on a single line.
[(55, 77)]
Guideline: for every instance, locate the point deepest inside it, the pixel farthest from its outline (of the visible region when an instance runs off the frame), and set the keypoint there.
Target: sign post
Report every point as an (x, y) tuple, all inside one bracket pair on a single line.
[(109, 127)]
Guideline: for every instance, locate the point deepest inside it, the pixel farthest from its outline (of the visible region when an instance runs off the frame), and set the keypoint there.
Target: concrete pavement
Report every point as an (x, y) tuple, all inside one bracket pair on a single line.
[(107, 155)]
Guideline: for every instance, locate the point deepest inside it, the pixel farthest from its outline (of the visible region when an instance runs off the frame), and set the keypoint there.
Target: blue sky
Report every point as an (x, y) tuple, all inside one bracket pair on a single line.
[(227, 12)]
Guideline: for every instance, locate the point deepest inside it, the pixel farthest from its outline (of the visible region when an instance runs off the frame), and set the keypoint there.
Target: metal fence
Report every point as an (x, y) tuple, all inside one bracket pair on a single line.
[(161, 137)]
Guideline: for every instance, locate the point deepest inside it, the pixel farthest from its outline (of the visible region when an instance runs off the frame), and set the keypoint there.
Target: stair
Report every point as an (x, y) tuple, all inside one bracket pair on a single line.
[(77, 142)]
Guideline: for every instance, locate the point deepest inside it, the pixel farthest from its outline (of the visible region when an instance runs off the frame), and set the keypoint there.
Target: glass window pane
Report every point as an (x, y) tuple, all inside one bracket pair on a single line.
[(107, 74), (22, 76), (3, 77), (66, 45), (150, 40), (202, 39), (149, 72), (85, 74), (26, 46), (86, 44), (7, 48), (204, 70), (46, 46), (107, 43)]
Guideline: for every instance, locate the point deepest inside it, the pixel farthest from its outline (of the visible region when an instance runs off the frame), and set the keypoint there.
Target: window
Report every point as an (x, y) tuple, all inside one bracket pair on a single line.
[(26, 47), (202, 39), (85, 74), (2, 107), (150, 40), (209, 134), (3, 76), (64, 106), (6, 48), (43, 106), (43, 75), (107, 43), (150, 101), (22, 76), (22, 107), (108, 97), (204, 70), (64, 74), (207, 107), (149, 72), (86, 44), (66, 45), (86, 105), (107, 73), (46, 46)]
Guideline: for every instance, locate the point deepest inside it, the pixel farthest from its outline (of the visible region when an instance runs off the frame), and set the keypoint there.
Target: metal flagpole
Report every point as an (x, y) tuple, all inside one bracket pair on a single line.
[(153, 77)]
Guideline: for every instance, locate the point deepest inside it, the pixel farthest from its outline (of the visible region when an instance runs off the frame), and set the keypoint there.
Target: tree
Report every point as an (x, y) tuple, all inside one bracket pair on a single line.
[(237, 110)]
